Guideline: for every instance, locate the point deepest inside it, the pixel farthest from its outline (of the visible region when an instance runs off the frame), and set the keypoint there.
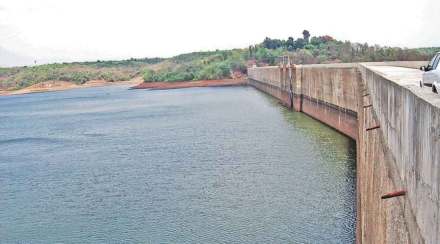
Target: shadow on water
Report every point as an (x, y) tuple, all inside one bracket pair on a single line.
[(329, 141), (337, 150)]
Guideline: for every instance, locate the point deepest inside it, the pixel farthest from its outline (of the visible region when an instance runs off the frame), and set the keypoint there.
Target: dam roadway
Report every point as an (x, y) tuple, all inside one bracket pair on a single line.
[(396, 125)]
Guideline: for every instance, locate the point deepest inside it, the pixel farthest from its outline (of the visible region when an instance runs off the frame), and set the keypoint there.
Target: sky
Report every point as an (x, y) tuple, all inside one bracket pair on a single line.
[(77, 30)]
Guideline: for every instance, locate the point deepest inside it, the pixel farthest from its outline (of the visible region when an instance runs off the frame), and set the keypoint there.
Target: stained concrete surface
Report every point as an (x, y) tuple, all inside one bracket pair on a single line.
[(404, 153)]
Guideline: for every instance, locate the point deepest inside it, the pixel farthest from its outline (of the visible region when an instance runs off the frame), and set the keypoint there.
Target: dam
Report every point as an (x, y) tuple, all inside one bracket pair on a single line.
[(227, 164), (396, 125)]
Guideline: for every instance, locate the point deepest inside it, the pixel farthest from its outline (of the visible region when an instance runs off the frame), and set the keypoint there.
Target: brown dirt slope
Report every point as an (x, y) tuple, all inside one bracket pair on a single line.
[(58, 85), (188, 84)]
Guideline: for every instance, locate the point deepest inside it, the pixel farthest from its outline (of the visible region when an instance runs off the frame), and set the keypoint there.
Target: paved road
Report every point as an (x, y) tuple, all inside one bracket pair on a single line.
[(409, 78), (402, 76)]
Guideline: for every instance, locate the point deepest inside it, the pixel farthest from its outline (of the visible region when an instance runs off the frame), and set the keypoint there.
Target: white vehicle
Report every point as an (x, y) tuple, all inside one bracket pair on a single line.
[(431, 76)]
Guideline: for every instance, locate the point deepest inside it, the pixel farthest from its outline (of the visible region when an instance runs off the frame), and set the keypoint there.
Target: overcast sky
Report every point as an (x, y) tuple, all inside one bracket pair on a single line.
[(67, 30)]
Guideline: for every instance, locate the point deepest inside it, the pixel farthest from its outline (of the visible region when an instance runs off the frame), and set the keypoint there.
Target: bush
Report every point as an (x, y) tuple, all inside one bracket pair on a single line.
[(149, 75), (80, 77), (214, 71), (238, 65)]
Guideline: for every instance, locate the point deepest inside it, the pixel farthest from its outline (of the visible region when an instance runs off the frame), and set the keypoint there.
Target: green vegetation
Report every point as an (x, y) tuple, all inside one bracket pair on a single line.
[(325, 49), (217, 64), (200, 66), (304, 50), (79, 72)]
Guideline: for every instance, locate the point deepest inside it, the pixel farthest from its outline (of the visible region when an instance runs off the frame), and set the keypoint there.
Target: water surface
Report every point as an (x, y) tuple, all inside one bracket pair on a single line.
[(199, 165)]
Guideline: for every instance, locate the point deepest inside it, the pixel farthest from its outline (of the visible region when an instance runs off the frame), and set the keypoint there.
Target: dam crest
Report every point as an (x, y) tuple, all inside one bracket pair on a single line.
[(396, 125)]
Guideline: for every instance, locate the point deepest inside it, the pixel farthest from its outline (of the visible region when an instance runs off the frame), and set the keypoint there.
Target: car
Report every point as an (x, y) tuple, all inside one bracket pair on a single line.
[(436, 86), (431, 75)]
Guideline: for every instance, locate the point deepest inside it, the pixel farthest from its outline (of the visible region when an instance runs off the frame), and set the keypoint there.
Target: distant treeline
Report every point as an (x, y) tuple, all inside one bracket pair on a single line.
[(304, 50), (325, 49), (216, 64)]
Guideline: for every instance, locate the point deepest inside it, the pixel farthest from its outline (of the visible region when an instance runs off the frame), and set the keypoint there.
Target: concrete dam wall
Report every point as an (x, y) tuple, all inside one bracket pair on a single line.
[(327, 93), (396, 125)]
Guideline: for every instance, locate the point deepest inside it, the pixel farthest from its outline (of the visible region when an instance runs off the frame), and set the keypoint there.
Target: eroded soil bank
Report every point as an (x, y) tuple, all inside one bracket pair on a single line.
[(136, 83), (187, 84), (49, 86)]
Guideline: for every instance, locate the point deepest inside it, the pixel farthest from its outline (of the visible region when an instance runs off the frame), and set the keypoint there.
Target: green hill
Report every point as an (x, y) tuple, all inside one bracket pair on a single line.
[(213, 64)]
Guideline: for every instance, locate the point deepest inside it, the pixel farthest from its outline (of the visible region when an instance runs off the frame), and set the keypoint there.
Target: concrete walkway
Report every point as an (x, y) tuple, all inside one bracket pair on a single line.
[(409, 78)]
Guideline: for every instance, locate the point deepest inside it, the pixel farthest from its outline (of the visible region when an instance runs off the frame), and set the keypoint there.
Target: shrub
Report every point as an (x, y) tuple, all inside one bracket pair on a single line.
[(149, 75)]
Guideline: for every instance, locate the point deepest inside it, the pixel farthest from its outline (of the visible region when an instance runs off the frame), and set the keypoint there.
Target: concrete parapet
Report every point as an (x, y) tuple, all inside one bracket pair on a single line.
[(325, 92), (269, 74), (333, 84), (403, 64), (410, 122)]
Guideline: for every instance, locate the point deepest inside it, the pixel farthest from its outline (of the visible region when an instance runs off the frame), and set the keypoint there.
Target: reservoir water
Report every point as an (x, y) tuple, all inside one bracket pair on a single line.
[(198, 165)]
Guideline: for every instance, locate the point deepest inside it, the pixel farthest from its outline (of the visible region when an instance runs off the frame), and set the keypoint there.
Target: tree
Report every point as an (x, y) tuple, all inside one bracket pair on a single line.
[(318, 40), (267, 42), (327, 38), (272, 43), (267, 56), (306, 36), (290, 44), (300, 43)]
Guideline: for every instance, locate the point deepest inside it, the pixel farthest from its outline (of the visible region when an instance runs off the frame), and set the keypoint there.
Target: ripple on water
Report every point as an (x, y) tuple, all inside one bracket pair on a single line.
[(223, 165), (30, 140)]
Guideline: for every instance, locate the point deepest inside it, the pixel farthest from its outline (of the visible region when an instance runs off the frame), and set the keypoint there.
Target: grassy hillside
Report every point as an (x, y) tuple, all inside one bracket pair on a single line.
[(212, 65), (79, 73), (200, 66)]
